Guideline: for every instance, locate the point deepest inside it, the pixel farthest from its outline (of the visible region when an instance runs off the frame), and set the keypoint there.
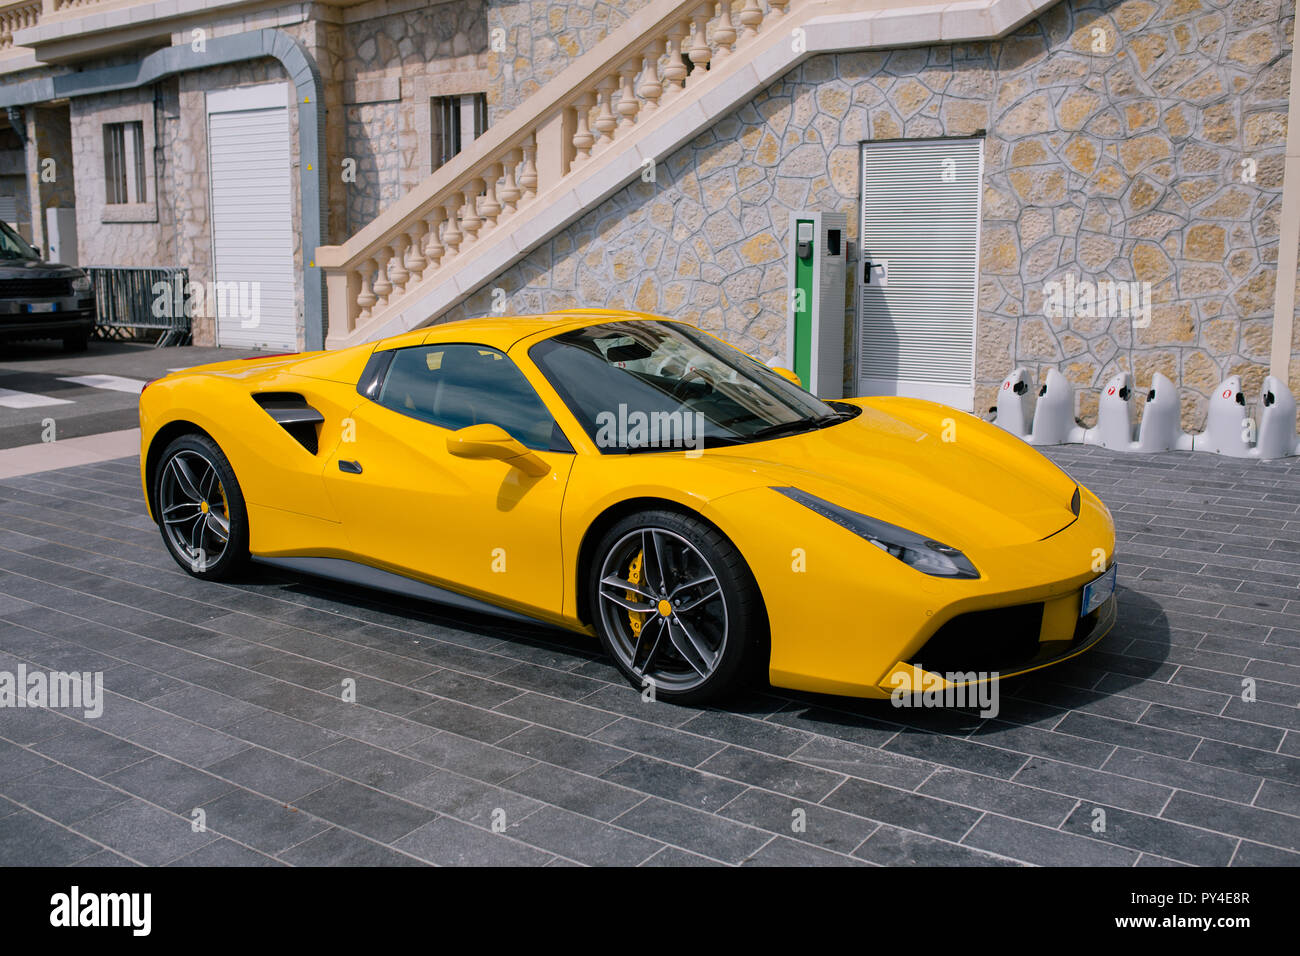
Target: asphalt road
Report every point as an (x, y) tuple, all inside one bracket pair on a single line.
[(89, 393)]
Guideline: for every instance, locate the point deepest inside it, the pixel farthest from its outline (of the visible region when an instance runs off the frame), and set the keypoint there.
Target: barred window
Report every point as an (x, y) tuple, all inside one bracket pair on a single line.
[(124, 180), (456, 122)]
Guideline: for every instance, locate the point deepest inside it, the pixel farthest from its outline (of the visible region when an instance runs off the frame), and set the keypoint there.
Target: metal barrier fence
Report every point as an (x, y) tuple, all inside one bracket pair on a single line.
[(129, 300)]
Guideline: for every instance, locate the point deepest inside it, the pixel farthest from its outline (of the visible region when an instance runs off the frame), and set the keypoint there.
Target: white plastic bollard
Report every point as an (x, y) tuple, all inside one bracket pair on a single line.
[(1115, 428), (1277, 423), (1159, 429), (1054, 422), (1226, 426), (1013, 398)]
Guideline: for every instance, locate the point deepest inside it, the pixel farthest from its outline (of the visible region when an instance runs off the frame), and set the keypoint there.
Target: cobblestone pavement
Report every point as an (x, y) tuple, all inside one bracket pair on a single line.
[(226, 699)]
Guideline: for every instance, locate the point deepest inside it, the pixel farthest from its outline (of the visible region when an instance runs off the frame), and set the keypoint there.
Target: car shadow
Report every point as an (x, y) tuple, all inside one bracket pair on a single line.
[(1135, 651), (375, 607)]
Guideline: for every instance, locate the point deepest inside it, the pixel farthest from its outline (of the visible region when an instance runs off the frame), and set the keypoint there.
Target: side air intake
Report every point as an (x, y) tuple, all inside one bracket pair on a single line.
[(291, 411)]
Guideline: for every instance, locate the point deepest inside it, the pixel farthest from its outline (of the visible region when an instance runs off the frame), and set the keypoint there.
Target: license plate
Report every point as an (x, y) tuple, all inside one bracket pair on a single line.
[(42, 307), (1097, 591)]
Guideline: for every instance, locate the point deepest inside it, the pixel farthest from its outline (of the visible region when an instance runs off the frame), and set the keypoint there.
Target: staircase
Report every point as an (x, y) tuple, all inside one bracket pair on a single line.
[(610, 116)]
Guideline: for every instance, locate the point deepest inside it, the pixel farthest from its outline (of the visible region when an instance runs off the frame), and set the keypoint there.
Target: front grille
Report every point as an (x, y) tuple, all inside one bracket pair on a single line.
[(1000, 639), (35, 288)]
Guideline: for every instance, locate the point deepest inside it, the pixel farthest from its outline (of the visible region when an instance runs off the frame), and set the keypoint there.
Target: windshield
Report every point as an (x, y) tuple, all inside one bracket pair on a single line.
[(12, 245), (650, 386)]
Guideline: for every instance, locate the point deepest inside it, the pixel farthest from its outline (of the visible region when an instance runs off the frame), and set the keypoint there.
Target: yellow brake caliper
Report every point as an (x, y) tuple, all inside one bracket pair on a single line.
[(636, 618)]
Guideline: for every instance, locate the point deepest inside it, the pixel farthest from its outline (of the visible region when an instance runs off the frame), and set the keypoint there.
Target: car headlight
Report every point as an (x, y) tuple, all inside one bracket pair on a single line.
[(924, 554), (81, 285)]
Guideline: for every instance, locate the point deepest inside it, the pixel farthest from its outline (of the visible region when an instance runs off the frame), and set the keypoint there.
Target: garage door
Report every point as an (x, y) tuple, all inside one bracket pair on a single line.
[(252, 217), (918, 276)]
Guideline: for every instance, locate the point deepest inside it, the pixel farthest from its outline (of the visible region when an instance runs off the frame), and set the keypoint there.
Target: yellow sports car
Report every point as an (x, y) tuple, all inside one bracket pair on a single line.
[(635, 478)]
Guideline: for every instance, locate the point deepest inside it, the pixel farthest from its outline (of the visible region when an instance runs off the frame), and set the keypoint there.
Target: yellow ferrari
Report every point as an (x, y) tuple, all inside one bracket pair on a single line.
[(634, 478)]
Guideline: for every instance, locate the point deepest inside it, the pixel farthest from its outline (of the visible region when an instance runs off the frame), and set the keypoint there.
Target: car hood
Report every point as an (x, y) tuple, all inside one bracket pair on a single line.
[(35, 269), (926, 467)]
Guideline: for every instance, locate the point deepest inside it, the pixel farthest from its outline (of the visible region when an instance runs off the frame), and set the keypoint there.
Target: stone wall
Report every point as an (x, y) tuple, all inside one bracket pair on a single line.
[(390, 67), (138, 237), (1120, 161), (539, 38)]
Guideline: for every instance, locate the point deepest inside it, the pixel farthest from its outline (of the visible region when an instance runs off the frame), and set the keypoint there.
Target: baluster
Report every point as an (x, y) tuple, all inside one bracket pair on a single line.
[(777, 8), (416, 263), (470, 223), (628, 104), (606, 121), (396, 271), (675, 69), (651, 89), (433, 247), (751, 15), (509, 192), (582, 138), (490, 207), (725, 32), (366, 298), (452, 235), (383, 288), (700, 52), (529, 178)]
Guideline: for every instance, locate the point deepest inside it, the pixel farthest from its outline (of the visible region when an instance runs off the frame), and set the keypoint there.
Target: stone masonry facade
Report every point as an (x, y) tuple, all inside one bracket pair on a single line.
[(1137, 140)]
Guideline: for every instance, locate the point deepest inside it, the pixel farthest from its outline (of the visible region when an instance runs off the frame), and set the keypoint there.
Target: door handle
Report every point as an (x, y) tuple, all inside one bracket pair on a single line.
[(351, 467)]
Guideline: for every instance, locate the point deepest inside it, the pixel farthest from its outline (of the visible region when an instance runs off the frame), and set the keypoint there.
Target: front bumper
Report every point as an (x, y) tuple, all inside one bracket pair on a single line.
[(71, 315), (845, 617), (987, 657)]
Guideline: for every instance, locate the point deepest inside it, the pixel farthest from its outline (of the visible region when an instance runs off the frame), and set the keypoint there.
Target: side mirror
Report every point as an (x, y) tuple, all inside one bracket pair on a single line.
[(493, 441), (788, 375)]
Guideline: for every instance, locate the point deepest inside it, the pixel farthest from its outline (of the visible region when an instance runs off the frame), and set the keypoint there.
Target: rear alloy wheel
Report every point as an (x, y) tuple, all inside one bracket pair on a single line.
[(676, 606), (200, 508)]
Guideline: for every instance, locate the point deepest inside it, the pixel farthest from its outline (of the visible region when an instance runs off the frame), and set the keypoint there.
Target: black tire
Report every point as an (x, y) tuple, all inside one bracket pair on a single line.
[(76, 343), (228, 497), (731, 627)]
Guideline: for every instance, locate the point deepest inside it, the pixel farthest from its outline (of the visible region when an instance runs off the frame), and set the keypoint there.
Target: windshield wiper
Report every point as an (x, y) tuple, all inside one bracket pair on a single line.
[(799, 424)]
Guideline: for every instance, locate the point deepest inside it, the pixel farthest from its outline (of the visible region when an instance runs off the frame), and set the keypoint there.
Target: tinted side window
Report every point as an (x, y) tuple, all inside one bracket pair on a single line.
[(455, 386)]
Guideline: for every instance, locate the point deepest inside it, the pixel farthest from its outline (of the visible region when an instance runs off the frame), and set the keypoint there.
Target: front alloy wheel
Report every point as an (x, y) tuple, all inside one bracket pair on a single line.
[(676, 606), (200, 508)]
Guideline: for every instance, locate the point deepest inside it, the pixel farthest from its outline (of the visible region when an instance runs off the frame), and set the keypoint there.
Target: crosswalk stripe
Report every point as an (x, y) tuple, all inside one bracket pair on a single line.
[(12, 399), (114, 383)]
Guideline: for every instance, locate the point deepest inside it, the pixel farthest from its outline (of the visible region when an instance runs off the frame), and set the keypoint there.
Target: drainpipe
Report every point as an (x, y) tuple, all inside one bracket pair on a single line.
[(1288, 248), (221, 51)]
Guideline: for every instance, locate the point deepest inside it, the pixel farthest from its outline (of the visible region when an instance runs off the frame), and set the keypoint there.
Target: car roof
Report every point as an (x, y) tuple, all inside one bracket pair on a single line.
[(505, 331)]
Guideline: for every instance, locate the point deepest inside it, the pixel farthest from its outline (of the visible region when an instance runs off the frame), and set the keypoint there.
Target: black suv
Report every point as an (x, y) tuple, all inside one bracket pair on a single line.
[(42, 300)]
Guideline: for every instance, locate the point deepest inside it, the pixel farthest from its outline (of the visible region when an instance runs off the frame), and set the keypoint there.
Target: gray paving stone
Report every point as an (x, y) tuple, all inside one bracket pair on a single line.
[(366, 811), (449, 842), (702, 790), (692, 830), (144, 832), (465, 723), (63, 795), (29, 840)]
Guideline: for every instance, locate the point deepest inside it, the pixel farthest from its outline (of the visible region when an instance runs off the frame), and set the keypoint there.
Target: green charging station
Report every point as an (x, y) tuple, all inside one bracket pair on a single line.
[(815, 326)]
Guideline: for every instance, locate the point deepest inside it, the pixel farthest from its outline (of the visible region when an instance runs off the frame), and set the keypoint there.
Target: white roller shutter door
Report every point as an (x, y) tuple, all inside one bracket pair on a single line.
[(249, 164), (920, 216)]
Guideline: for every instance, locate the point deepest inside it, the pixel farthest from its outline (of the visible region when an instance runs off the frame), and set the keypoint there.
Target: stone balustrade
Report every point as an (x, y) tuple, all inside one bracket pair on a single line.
[(638, 71), (17, 16)]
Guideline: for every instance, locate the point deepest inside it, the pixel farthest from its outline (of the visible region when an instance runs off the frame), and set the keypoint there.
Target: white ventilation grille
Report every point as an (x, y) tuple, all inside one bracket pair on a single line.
[(921, 215)]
